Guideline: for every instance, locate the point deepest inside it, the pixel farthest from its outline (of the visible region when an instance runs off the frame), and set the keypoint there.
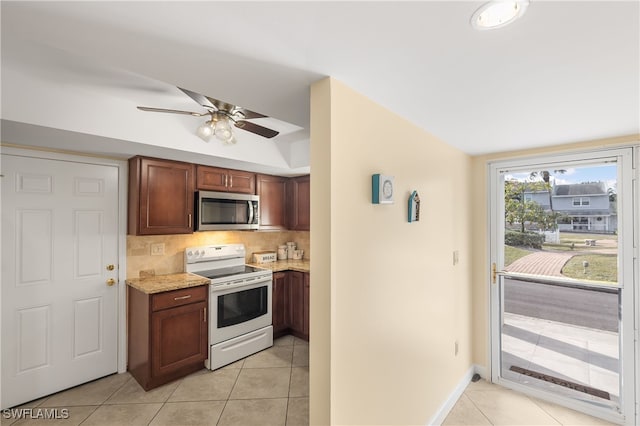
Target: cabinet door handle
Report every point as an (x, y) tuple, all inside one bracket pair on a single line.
[(182, 297), (231, 181), (226, 180), (189, 221), (204, 317)]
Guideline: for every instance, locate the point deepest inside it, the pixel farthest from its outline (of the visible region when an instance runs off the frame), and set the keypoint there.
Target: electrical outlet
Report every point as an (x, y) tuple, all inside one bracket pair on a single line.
[(455, 348), (456, 257), (157, 249)]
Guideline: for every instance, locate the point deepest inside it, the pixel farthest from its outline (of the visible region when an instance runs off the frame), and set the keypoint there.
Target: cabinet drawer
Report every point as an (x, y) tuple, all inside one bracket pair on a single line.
[(170, 299)]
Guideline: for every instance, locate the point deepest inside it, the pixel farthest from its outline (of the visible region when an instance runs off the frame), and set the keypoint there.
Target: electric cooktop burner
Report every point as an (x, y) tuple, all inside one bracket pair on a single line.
[(229, 271)]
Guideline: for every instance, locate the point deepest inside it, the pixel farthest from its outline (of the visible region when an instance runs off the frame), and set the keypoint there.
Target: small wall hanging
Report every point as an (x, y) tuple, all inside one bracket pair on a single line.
[(414, 207), (382, 189)]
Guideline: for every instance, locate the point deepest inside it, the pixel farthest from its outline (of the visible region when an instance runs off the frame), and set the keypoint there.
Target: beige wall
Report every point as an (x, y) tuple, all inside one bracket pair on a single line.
[(387, 303), (481, 234), (139, 247)]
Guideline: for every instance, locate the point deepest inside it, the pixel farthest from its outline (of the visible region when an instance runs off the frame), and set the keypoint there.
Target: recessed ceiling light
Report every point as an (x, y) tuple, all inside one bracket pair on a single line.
[(498, 13)]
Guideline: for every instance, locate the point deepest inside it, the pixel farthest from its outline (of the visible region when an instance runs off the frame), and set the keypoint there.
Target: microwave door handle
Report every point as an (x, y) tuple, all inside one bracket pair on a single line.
[(250, 212)]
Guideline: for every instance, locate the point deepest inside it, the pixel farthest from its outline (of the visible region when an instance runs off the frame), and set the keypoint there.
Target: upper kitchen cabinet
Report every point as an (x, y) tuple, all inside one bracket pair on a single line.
[(300, 203), (160, 196), (216, 179), (273, 201)]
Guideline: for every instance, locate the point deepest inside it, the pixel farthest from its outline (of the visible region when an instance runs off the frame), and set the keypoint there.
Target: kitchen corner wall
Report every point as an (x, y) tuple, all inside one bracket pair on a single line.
[(139, 256)]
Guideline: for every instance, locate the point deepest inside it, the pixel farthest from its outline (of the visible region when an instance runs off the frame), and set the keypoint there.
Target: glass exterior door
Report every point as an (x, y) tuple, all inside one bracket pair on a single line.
[(562, 284)]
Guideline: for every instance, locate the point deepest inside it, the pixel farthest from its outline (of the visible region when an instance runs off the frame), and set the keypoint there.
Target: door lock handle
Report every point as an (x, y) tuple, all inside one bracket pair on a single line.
[(111, 267), (111, 282)]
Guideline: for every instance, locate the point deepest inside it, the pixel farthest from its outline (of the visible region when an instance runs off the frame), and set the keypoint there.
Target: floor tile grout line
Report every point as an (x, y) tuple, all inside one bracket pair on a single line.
[(165, 402), (478, 408), (286, 411), (95, 408), (535, 401), (235, 382)]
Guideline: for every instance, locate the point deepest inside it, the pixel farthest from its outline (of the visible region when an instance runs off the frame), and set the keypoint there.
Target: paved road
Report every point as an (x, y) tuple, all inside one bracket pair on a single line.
[(577, 306)]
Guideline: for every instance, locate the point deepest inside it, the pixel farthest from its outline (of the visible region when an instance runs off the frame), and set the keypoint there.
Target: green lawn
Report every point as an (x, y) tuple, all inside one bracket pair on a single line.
[(578, 238), (602, 267), (570, 241)]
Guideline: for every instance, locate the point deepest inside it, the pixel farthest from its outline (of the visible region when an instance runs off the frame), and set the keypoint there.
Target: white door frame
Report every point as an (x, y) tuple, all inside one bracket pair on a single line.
[(123, 174), (629, 196)]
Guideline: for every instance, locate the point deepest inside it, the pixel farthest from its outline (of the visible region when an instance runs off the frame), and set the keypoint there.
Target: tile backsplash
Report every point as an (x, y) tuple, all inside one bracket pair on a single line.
[(139, 248)]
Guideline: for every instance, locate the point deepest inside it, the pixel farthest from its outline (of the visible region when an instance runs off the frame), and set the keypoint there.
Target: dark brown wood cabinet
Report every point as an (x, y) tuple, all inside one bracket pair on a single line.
[(290, 304), (167, 334), (305, 306), (300, 196), (225, 180), (280, 303), (273, 201), (296, 287), (160, 197)]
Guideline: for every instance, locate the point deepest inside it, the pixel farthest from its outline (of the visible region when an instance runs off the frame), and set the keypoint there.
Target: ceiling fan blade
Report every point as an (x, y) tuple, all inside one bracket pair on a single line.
[(256, 128), (173, 111), (200, 99), (249, 114), (233, 109)]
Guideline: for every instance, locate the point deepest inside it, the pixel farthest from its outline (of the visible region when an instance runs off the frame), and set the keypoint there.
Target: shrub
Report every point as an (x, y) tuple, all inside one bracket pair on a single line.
[(523, 239)]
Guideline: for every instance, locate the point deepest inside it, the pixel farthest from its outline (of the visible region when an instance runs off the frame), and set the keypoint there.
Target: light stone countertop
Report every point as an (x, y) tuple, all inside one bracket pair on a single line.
[(285, 265), (160, 283)]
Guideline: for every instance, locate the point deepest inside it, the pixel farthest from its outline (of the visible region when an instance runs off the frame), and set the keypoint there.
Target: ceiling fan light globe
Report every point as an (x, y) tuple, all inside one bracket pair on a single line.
[(205, 131), (223, 131)]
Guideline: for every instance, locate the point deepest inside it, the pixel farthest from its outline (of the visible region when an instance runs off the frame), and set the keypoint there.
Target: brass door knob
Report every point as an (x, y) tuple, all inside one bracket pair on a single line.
[(111, 282), (110, 267)]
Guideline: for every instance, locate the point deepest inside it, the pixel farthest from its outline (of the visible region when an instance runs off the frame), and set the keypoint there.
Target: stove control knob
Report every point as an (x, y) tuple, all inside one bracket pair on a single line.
[(197, 253), (189, 253)]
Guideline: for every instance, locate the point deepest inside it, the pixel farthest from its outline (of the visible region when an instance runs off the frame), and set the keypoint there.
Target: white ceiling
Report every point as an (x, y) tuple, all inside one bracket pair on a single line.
[(565, 72)]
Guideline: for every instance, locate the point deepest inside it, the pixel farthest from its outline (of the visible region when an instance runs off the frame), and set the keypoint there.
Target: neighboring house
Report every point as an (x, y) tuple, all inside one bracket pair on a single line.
[(585, 206), (540, 197)]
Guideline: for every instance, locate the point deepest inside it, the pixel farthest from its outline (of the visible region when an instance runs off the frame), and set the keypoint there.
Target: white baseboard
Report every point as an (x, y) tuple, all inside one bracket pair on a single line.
[(448, 404)]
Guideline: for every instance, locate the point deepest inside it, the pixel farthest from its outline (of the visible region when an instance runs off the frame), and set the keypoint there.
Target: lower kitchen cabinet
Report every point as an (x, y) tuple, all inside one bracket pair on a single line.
[(280, 303), (296, 287), (167, 334), (305, 304), (290, 304)]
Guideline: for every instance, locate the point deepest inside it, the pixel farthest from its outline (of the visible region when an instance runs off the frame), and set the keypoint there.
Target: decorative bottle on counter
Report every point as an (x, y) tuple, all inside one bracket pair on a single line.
[(282, 252), (291, 247)]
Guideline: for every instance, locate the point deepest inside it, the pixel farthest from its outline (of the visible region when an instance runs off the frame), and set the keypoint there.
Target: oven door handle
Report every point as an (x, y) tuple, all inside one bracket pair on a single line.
[(261, 280), (240, 284), (250, 212)]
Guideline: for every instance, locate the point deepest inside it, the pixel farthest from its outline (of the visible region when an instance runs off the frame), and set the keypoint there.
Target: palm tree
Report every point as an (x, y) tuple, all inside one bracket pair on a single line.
[(546, 177)]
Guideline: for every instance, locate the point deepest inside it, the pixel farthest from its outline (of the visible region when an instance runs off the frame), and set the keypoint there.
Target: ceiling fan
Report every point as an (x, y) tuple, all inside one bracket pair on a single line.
[(221, 115)]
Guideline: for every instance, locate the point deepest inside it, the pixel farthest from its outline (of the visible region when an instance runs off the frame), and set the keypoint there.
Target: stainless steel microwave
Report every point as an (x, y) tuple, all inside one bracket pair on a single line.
[(217, 211)]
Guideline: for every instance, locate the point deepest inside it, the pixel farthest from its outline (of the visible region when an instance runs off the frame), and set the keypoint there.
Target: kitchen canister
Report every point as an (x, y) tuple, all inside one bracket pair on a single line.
[(291, 247), (282, 252), (298, 254)]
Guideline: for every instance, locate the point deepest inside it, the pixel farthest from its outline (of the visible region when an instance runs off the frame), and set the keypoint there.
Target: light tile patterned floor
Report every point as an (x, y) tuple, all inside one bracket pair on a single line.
[(483, 403), (268, 388)]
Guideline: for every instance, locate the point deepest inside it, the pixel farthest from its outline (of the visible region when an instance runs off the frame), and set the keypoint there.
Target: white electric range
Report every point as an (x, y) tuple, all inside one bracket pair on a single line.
[(239, 302)]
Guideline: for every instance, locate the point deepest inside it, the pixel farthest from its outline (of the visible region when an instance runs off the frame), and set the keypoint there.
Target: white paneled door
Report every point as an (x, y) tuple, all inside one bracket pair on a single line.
[(59, 255)]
